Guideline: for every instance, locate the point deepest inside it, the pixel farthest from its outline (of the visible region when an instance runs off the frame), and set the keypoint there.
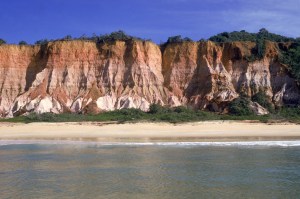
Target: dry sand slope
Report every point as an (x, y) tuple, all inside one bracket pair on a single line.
[(198, 131)]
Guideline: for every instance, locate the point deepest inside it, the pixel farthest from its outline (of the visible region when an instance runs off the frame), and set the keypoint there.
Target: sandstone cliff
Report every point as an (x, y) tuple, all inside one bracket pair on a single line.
[(82, 76)]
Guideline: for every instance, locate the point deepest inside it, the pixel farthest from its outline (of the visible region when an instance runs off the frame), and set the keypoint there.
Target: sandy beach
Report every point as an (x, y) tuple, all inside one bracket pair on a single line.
[(144, 132)]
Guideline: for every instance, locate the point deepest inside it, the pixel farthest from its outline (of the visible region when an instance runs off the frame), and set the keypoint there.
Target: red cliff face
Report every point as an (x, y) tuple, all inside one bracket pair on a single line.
[(81, 76)]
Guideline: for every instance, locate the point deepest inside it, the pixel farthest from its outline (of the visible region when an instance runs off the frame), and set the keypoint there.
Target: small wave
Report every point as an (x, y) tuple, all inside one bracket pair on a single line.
[(294, 143)]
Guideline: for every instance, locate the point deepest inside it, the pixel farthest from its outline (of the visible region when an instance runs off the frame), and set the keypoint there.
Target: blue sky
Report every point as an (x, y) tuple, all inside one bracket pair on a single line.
[(31, 20)]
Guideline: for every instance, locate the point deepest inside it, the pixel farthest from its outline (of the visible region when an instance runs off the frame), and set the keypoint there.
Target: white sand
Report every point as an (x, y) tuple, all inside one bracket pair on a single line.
[(198, 131)]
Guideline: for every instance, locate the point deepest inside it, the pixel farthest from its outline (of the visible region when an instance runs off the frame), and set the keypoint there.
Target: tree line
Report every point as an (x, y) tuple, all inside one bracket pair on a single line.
[(223, 37)]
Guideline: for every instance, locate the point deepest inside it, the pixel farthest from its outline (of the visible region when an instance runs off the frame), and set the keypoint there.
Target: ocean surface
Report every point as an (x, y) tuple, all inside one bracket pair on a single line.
[(149, 170)]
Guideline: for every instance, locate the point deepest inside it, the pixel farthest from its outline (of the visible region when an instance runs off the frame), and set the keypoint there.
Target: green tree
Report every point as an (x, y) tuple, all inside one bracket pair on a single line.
[(242, 35), (175, 39), (41, 42), (178, 39), (263, 31), (187, 39), (116, 36), (83, 37), (2, 41), (95, 38), (23, 43), (67, 38)]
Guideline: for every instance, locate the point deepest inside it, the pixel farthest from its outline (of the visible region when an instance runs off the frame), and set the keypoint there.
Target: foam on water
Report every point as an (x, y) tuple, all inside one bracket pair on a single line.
[(294, 143)]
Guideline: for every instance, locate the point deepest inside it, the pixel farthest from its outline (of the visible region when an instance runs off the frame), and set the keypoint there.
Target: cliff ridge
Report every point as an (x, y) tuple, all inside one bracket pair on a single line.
[(89, 77)]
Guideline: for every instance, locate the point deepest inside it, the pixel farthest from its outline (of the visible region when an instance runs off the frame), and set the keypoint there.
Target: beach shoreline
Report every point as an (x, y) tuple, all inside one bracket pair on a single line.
[(209, 131)]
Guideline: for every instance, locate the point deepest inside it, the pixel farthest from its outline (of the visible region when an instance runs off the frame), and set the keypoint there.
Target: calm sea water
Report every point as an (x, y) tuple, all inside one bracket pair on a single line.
[(82, 170)]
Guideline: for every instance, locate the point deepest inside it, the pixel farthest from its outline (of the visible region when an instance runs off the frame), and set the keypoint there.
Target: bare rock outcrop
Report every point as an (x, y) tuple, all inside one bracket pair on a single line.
[(258, 109)]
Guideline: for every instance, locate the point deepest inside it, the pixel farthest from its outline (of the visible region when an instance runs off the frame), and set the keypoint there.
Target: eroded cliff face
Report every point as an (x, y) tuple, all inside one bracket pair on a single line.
[(81, 76)]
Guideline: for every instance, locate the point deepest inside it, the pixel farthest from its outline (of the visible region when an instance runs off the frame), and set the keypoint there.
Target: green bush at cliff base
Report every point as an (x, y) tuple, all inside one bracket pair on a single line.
[(156, 113), (240, 107), (289, 113), (238, 111), (157, 109), (262, 99)]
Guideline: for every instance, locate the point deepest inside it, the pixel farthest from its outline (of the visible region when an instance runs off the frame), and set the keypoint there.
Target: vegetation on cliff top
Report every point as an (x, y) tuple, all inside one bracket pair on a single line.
[(288, 55), (246, 36), (291, 57), (23, 43), (2, 41), (106, 38), (223, 37), (178, 39), (259, 38)]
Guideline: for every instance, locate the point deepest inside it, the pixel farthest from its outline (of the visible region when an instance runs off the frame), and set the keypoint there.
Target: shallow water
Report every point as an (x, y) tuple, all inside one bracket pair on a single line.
[(174, 170)]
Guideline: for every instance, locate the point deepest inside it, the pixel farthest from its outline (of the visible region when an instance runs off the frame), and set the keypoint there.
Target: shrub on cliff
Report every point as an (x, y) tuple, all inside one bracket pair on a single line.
[(233, 36), (261, 48), (178, 39), (67, 38), (246, 36), (23, 43), (115, 36), (259, 38), (240, 106), (291, 57), (41, 42), (2, 41)]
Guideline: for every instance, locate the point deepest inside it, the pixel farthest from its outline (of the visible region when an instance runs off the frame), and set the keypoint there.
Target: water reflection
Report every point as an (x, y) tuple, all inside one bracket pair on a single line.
[(56, 171)]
